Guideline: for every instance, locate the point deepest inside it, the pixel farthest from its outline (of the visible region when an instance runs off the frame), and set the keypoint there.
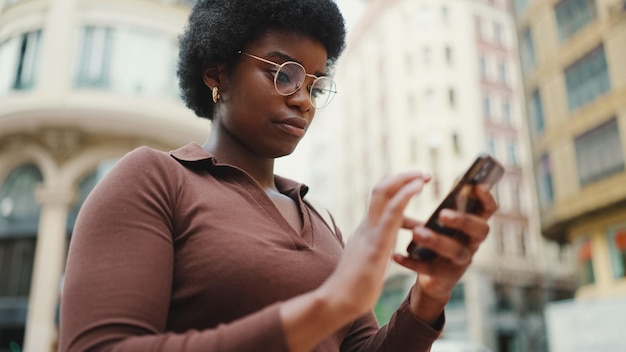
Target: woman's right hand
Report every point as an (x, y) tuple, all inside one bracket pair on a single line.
[(357, 282), (359, 277)]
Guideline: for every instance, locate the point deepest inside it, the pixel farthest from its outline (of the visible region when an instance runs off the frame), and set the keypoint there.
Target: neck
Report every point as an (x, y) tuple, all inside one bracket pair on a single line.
[(227, 151)]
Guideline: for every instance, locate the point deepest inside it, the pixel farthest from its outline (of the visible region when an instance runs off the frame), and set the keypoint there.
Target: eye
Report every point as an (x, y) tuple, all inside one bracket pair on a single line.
[(315, 92), (282, 76)]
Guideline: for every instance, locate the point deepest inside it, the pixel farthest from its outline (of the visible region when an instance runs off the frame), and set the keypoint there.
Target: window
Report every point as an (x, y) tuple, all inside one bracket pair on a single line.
[(445, 14), (448, 55), (491, 145), (617, 247), (456, 143), (18, 62), (544, 178), (451, 97), (457, 297), (528, 50), (429, 100), (127, 61), (19, 219), (599, 153), (537, 112), (521, 6), (511, 152), (487, 107), (497, 33), (502, 72), (587, 78), (483, 66), (572, 15), (426, 56), (504, 302), (585, 263), (506, 111), (95, 58)]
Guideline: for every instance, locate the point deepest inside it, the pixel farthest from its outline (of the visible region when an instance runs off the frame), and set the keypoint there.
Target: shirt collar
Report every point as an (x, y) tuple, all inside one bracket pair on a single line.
[(193, 153)]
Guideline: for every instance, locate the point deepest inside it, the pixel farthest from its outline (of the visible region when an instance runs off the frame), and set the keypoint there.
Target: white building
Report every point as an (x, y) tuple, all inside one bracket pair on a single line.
[(81, 83), (428, 85)]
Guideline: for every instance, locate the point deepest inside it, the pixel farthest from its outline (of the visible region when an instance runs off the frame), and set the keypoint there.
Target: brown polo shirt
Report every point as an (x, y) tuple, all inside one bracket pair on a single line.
[(177, 252)]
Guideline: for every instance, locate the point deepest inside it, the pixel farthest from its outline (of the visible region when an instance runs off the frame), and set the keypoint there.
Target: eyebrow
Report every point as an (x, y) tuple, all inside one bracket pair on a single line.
[(285, 57)]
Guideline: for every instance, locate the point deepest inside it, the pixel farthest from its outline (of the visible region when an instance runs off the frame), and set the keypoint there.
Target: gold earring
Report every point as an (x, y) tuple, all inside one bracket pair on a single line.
[(216, 94)]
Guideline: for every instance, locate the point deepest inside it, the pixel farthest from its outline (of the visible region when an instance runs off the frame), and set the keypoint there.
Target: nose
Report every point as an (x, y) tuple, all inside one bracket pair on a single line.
[(301, 98)]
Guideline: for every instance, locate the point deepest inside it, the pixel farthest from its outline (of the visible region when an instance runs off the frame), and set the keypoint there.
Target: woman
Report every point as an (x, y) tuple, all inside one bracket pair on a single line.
[(205, 249)]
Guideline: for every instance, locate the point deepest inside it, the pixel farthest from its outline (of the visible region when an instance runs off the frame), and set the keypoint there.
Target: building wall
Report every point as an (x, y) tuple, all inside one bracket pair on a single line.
[(71, 132), (581, 211)]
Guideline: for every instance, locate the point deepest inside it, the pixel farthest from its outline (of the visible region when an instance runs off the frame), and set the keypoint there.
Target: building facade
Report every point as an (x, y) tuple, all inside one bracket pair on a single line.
[(428, 85), (82, 82), (573, 54)]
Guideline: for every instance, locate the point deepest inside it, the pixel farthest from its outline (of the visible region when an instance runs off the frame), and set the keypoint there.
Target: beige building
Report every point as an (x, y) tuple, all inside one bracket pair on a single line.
[(82, 82), (575, 81), (573, 54)]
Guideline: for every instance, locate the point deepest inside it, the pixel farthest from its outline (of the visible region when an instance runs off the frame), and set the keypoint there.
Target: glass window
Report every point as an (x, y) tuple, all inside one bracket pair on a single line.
[(506, 111), (127, 61), (544, 178), (521, 6), (502, 72), (599, 153), (617, 247), (483, 66), (457, 297), (511, 151), (537, 112), (487, 107), (587, 78), (572, 15), (448, 55), (585, 263), (528, 50), (19, 220), (18, 62)]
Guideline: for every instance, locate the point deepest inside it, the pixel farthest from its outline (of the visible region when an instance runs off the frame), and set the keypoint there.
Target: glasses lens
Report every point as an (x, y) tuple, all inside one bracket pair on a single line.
[(289, 78), (323, 91)]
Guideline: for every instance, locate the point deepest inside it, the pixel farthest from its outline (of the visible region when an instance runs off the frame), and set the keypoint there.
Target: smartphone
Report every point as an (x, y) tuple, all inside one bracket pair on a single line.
[(484, 170)]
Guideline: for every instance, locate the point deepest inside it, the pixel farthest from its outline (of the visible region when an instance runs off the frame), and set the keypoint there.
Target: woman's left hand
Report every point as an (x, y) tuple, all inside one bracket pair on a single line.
[(437, 278)]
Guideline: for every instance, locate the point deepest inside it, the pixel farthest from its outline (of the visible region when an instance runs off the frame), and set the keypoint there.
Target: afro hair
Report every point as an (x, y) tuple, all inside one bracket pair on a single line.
[(218, 29)]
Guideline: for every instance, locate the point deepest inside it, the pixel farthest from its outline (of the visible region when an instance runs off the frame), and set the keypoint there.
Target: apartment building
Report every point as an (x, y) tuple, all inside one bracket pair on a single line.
[(573, 54)]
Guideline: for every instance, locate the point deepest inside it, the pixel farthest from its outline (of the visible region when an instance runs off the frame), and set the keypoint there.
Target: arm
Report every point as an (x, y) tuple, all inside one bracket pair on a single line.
[(118, 280)]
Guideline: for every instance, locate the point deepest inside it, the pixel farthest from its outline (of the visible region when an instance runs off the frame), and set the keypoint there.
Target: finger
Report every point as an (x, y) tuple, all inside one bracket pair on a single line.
[(388, 187), (393, 214), (447, 247), (487, 200), (410, 223), (474, 226)]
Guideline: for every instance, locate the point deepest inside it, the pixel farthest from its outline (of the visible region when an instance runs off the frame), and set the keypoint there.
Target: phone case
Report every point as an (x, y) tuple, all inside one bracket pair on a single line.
[(484, 170)]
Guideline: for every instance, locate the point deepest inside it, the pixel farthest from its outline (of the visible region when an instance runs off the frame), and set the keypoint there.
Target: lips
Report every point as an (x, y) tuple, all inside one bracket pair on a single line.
[(293, 125)]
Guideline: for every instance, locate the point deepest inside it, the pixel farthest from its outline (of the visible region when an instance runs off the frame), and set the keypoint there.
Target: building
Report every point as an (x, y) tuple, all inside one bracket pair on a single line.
[(82, 82), (575, 82), (428, 85)]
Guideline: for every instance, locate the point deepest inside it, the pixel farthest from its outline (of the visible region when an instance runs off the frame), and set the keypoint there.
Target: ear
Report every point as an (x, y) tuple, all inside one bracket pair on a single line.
[(212, 75)]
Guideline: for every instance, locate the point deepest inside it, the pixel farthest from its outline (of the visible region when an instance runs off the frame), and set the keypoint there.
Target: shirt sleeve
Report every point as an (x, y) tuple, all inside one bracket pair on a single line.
[(119, 271), (404, 332)]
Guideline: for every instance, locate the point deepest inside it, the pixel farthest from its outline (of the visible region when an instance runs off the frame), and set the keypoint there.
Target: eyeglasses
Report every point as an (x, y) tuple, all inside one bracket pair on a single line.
[(290, 76)]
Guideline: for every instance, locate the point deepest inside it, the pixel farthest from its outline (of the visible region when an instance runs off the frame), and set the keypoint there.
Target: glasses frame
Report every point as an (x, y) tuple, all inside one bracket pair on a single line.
[(315, 79)]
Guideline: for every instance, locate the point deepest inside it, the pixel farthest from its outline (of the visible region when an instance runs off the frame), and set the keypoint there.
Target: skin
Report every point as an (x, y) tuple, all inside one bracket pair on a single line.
[(253, 125)]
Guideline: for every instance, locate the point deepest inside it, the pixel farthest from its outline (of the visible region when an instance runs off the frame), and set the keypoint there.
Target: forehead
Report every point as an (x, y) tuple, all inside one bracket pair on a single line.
[(294, 46)]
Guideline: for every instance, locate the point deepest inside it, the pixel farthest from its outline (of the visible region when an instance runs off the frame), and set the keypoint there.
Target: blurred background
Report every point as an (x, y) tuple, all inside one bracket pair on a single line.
[(423, 84)]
